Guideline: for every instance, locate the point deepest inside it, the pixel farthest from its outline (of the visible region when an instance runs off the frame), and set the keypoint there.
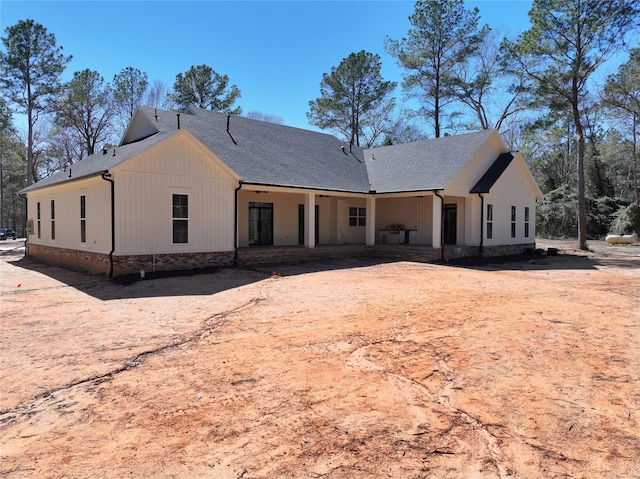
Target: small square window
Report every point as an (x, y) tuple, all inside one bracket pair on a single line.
[(357, 216)]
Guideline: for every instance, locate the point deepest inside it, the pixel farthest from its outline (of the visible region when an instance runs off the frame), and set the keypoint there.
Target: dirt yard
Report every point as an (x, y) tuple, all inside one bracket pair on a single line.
[(521, 369)]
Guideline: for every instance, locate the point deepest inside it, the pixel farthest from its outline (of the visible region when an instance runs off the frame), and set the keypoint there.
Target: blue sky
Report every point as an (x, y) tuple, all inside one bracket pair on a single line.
[(274, 51)]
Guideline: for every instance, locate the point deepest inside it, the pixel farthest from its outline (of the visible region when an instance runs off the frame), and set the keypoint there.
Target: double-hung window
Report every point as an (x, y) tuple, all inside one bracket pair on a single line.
[(83, 219), (526, 221), (180, 215), (513, 221), (53, 219), (489, 221), (39, 226)]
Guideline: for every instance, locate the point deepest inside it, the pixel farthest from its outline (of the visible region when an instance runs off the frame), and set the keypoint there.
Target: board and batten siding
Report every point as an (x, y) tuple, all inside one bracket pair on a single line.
[(67, 215), (414, 212), (145, 186), (510, 190)]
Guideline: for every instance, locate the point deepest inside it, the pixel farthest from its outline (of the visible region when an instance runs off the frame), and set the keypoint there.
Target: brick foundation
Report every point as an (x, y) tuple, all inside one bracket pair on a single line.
[(170, 262), (84, 261), (258, 256), (98, 263)]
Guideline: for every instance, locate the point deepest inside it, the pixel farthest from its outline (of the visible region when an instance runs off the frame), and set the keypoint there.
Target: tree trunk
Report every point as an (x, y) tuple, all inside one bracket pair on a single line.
[(582, 210), (634, 163), (30, 143)]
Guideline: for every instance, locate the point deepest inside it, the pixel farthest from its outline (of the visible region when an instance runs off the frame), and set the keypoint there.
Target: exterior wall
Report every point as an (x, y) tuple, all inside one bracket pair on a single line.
[(477, 166), (461, 217), (414, 212), (285, 215), (472, 205), (143, 193), (349, 234), (510, 190), (66, 199)]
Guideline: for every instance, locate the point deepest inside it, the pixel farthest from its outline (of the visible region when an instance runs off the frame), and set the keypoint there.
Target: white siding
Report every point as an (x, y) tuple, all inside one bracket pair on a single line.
[(67, 215), (510, 190), (144, 189)]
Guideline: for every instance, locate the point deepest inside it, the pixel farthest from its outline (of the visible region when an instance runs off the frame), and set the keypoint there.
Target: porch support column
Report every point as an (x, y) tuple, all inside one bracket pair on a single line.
[(436, 226), (370, 233), (310, 220)]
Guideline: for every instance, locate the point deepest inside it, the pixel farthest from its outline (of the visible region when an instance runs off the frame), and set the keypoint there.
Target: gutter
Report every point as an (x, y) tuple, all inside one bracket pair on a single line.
[(435, 192), (106, 176), (235, 226), (481, 222)]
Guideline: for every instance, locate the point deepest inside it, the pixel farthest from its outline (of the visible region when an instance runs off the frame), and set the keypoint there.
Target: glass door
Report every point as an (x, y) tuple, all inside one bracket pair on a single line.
[(260, 224)]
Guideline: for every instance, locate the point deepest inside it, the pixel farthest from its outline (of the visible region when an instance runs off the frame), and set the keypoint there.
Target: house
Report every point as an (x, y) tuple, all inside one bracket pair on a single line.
[(202, 188)]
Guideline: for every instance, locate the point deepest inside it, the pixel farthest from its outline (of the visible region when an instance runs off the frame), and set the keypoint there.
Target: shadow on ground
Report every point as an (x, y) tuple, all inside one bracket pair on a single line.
[(212, 281)]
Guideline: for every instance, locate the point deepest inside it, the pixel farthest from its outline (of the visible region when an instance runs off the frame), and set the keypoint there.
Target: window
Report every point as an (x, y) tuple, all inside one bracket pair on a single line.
[(489, 221), (83, 219), (526, 221), (357, 216), (513, 221), (38, 217), (53, 219), (180, 214)]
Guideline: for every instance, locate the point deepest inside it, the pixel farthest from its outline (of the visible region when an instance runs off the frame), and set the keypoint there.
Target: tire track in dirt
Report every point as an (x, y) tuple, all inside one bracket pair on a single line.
[(209, 326)]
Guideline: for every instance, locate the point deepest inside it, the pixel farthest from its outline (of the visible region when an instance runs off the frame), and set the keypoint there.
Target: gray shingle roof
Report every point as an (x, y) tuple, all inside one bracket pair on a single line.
[(269, 154), (97, 163), (422, 165)]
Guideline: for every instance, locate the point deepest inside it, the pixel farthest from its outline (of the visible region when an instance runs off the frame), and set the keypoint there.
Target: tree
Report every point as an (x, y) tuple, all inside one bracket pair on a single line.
[(203, 87), (567, 42), (129, 88), (268, 117), (86, 109), (621, 96), (444, 35), (488, 86), (354, 98), (31, 69)]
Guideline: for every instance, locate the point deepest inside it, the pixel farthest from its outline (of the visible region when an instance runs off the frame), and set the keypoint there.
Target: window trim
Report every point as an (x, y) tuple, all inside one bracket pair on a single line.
[(83, 218), (513, 221), (489, 220), (357, 215), (179, 220), (38, 218), (52, 205)]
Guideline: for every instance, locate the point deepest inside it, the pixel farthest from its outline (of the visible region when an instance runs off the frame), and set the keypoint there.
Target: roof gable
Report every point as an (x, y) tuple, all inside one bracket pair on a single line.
[(422, 165), (269, 154), (494, 172)]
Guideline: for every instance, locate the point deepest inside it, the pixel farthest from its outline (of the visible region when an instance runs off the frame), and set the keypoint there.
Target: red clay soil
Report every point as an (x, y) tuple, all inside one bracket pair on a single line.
[(519, 369)]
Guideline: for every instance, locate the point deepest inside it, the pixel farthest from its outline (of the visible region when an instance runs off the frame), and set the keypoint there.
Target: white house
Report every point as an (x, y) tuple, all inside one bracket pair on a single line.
[(204, 188)]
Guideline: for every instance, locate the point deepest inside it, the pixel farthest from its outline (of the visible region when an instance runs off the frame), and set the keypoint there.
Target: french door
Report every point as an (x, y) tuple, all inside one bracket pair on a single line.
[(260, 224)]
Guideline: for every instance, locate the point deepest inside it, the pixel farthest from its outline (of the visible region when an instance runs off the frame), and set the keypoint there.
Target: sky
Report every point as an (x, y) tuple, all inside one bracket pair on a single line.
[(274, 51)]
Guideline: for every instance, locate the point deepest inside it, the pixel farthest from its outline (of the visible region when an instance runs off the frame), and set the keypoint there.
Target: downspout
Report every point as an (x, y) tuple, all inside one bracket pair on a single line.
[(441, 224), (107, 177), (481, 221), (235, 226)]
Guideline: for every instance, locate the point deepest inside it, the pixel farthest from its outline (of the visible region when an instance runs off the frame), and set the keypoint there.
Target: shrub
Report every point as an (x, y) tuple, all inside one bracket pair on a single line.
[(626, 221)]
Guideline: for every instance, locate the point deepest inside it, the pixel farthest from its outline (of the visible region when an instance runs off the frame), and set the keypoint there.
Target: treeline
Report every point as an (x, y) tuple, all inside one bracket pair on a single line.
[(539, 90)]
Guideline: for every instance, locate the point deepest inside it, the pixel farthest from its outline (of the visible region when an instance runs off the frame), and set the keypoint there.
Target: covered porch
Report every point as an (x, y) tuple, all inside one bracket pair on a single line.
[(411, 223)]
